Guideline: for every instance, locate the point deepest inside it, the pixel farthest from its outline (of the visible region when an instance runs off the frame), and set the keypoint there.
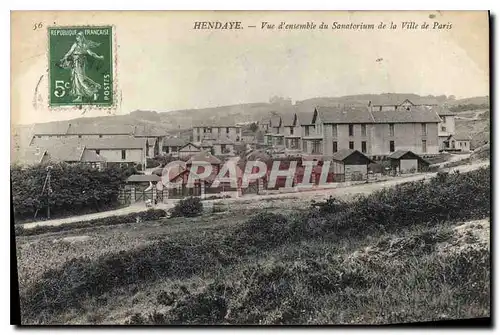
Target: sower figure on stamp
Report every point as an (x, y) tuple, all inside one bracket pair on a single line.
[(75, 60)]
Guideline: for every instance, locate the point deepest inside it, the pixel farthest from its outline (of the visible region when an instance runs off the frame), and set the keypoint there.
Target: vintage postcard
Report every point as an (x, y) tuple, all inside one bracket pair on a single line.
[(251, 167)]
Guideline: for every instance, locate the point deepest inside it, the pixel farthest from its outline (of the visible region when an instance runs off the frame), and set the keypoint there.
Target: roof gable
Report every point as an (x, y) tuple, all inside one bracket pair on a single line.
[(345, 114), (31, 156), (406, 154), (113, 143), (59, 128), (100, 129), (174, 142), (416, 114), (189, 147), (204, 157), (351, 156)]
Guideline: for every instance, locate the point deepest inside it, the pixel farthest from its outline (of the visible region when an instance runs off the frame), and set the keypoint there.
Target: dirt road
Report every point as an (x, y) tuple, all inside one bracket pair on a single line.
[(284, 200)]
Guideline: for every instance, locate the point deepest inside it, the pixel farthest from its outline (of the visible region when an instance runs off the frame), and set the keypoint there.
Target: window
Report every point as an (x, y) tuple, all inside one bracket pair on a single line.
[(227, 130), (334, 130), (79, 136), (443, 128), (304, 145), (363, 130), (199, 138), (391, 146), (307, 130), (291, 130), (424, 129), (351, 145), (351, 130), (98, 151), (424, 146), (100, 136), (316, 147), (335, 147), (124, 154), (363, 146), (222, 148), (391, 129)]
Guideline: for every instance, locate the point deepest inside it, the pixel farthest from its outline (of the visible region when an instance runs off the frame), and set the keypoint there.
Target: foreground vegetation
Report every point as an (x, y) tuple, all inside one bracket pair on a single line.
[(397, 255), (74, 189)]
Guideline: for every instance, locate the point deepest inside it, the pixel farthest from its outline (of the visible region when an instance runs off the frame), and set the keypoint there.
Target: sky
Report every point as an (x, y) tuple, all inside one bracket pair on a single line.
[(162, 63)]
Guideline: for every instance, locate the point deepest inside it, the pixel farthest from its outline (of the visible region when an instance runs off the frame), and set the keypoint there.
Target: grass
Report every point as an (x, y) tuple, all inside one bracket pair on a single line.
[(329, 264), (149, 215)]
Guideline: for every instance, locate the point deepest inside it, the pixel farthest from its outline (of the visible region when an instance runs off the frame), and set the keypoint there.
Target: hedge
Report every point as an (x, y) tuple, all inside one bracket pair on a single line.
[(76, 189)]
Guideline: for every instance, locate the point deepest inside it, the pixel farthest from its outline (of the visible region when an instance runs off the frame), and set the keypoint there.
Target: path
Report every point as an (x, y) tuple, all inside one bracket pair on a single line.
[(301, 196)]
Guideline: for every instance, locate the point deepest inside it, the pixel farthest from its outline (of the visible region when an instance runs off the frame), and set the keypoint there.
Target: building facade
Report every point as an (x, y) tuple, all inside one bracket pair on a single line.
[(216, 132)]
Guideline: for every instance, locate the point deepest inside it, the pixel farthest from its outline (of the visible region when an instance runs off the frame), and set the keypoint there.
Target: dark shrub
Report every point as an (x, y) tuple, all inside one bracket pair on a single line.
[(456, 196), (76, 189), (188, 207)]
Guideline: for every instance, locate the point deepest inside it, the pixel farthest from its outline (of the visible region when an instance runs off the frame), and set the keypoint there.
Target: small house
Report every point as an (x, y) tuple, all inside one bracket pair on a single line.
[(172, 145), (405, 161), (189, 150), (349, 165), (462, 142)]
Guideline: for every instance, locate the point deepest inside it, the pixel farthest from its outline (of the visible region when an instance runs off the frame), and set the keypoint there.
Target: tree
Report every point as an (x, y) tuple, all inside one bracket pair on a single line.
[(254, 127)]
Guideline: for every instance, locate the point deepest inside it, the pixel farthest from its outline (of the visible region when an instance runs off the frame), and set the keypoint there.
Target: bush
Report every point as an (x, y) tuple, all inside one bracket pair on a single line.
[(149, 215), (188, 207), (76, 189), (447, 197), (274, 289)]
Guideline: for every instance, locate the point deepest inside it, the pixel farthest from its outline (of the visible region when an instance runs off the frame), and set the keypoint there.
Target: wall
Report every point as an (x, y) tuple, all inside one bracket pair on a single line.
[(351, 169), (408, 164), (234, 133), (463, 145), (115, 155), (407, 136), (218, 149), (343, 137), (188, 151), (449, 123)]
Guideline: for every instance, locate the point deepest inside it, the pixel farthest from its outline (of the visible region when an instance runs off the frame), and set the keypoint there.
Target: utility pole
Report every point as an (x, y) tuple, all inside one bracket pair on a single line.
[(49, 191)]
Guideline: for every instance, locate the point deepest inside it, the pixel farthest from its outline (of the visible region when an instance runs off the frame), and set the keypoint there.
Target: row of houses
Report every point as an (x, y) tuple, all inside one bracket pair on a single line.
[(377, 129), (343, 166)]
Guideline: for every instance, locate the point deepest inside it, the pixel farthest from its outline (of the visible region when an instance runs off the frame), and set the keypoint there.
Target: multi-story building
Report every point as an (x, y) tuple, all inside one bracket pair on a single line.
[(275, 135), (216, 132), (68, 130), (292, 129), (375, 133), (123, 150), (446, 128)]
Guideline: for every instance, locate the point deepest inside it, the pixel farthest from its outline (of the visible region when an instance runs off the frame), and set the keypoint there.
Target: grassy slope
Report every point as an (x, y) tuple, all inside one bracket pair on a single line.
[(335, 265)]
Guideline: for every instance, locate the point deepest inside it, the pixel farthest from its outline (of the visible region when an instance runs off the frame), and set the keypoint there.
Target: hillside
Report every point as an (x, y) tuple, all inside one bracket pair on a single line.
[(322, 263)]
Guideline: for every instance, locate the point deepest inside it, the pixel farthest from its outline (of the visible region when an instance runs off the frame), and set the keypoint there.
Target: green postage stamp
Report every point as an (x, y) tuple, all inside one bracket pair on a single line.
[(81, 66)]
